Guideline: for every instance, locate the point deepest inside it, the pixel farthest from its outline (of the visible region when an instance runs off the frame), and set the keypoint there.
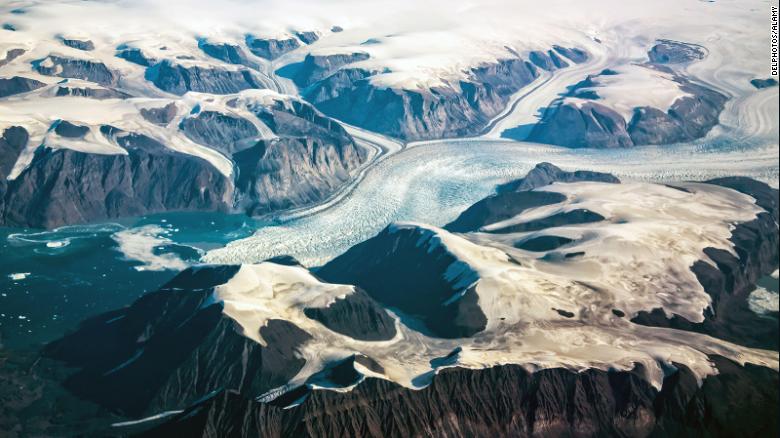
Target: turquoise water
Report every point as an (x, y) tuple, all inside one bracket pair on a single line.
[(52, 280)]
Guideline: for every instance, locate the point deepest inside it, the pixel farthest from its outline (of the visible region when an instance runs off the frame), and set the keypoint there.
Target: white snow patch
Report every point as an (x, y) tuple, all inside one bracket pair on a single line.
[(257, 293), (763, 301)]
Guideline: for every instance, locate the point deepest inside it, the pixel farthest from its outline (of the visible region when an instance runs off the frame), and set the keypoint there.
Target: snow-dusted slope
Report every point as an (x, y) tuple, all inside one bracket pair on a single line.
[(636, 281), (417, 57), (311, 155)]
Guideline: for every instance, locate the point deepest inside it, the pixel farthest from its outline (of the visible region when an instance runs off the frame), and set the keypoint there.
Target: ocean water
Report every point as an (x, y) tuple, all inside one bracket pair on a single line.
[(52, 280)]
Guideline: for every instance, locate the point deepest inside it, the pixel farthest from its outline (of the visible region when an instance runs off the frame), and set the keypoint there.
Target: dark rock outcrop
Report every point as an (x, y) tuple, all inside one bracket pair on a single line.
[(18, 85), (85, 45), (11, 54), (589, 123), (574, 54), (271, 48), (307, 36), (573, 217), (92, 93), (547, 61), (579, 126), (85, 69), (230, 53), (689, 118), (357, 316), (675, 52), (732, 279), (179, 344), (508, 401), (136, 56), (179, 79), (12, 143), (763, 83), (312, 156), (544, 174), (543, 243), (62, 186), (160, 116), (219, 131), (67, 129), (517, 196), (314, 68), (500, 207), (404, 268), (289, 172)]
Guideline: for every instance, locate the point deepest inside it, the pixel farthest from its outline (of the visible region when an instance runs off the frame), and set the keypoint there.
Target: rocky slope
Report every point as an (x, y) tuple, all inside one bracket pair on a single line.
[(180, 345), (275, 152), (407, 268), (486, 331), (63, 186), (591, 114), (451, 109), (507, 401), (517, 196)]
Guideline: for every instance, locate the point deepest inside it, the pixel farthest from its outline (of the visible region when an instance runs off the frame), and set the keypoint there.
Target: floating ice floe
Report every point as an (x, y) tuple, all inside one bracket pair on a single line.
[(18, 276)]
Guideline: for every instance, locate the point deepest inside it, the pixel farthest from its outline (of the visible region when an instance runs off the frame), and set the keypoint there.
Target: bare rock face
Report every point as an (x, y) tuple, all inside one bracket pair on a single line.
[(763, 83), (179, 79), (314, 68), (12, 143), (92, 93), (160, 116), (271, 48), (589, 123), (312, 156), (675, 52), (136, 56), (404, 268), (689, 118), (288, 172), (67, 129), (219, 131), (87, 70), (180, 345), (85, 45), (307, 36), (12, 54), (357, 316), (18, 85), (230, 53), (574, 54), (459, 109), (547, 61), (544, 174), (62, 186), (517, 196), (507, 401)]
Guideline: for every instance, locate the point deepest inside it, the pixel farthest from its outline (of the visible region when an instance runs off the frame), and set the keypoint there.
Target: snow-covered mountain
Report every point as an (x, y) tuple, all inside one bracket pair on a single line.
[(556, 274), (78, 79)]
